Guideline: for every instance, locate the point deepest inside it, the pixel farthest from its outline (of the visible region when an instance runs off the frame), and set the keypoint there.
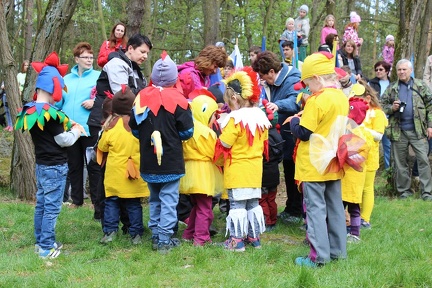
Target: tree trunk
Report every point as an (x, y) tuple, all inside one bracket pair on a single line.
[(267, 16), (147, 24), (48, 38), (101, 19), (135, 13), (227, 30), (375, 31), (315, 28), (409, 13), (422, 51), (211, 21), (350, 7), (28, 39), (331, 7)]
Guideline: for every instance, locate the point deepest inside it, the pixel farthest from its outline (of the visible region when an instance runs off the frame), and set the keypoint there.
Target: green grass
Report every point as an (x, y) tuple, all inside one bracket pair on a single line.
[(396, 252)]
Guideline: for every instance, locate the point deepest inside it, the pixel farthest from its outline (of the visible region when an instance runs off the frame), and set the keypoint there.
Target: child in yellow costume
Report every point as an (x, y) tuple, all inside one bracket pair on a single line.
[(242, 144), (202, 179), (354, 179), (123, 182), (375, 121)]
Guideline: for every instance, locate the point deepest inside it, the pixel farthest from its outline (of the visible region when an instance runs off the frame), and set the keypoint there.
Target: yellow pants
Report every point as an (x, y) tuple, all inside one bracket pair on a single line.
[(368, 198)]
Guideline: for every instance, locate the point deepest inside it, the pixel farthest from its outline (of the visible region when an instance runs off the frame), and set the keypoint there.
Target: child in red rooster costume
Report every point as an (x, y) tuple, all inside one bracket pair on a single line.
[(161, 119)]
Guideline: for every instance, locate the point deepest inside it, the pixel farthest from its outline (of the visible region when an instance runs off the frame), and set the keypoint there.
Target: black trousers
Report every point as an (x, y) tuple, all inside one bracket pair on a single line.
[(76, 158), (294, 203)]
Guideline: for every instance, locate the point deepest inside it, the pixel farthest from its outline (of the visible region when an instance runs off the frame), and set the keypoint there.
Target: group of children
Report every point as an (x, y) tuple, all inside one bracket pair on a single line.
[(159, 143), (297, 31)]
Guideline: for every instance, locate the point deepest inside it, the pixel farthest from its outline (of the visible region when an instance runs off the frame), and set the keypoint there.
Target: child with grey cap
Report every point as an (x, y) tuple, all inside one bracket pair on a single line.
[(161, 119)]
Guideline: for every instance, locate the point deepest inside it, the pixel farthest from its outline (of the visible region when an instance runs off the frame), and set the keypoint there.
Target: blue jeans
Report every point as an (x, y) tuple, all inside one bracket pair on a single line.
[(163, 201), (7, 112), (386, 144), (112, 215), (50, 184)]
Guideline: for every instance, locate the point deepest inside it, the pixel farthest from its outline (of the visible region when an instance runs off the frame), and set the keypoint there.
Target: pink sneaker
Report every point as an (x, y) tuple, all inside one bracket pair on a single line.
[(234, 244)]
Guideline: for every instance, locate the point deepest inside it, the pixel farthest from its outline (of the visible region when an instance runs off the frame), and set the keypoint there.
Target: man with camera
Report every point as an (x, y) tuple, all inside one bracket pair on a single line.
[(408, 102)]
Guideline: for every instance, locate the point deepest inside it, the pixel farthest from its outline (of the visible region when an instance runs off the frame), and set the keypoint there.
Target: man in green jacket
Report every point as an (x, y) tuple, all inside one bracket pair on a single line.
[(408, 102)]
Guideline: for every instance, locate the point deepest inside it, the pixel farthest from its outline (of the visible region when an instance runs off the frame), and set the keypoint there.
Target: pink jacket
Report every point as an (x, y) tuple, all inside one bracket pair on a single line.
[(388, 54), (326, 31), (351, 34)]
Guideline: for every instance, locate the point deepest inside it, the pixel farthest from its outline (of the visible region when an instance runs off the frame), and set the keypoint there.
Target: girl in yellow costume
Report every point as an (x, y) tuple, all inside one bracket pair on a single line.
[(123, 182), (375, 121), (242, 144), (202, 179), (354, 179)]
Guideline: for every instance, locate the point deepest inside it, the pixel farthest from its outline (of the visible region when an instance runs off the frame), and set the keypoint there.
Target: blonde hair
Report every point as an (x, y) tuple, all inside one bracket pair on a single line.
[(326, 21), (229, 93), (369, 91), (290, 19)]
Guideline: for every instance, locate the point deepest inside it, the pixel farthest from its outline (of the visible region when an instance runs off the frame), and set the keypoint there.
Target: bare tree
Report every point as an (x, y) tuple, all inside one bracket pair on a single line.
[(135, 11), (409, 14), (211, 21), (58, 14), (423, 41)]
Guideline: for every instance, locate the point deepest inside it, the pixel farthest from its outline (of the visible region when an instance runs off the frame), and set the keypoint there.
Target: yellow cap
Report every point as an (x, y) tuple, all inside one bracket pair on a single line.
[(320, 63)]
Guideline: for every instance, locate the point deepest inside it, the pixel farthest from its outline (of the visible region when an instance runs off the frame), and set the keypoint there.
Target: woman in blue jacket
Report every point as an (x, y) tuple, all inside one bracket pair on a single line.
[(77, 103)]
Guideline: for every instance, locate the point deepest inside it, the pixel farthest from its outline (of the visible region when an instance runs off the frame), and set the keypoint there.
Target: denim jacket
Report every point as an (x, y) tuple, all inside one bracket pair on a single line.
[(422, 105)]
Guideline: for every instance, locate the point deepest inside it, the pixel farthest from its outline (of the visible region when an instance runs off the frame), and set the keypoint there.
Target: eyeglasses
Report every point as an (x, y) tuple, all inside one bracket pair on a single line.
[(86, 58), (379, 69)]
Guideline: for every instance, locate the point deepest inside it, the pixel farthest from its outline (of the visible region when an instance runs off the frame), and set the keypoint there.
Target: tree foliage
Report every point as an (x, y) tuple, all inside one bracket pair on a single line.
[(184, 27)]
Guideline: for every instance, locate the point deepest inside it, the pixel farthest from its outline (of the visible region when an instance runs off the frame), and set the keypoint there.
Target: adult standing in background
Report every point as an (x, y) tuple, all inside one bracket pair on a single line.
[(116, 40), (196, 74), (427, 74), (21, 76), (279, 91), (348, 56), (380, 83), (408, 102), (77, 104), (122, 68)]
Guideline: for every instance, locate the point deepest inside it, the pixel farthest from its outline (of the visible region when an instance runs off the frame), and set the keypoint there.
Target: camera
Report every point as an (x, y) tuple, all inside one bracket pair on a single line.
[(402, 106)]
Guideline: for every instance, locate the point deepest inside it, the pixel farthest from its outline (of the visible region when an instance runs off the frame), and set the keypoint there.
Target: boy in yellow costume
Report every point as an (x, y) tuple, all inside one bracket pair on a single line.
[(242, 143)]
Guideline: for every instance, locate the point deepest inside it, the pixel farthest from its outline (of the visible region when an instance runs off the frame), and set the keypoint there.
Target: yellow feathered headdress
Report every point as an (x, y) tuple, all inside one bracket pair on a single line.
[(245, 83)]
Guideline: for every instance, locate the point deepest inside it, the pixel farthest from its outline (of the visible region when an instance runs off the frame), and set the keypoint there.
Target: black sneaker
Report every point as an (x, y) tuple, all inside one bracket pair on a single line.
[(155, 241), (165, 247)]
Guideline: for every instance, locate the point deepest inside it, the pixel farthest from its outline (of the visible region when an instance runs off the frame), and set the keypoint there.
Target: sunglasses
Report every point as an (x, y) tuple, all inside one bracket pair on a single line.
[(379, 69)]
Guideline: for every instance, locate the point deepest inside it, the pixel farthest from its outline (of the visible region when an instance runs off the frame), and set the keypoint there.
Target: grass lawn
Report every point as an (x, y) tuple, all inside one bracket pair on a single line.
[(396, 252)]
